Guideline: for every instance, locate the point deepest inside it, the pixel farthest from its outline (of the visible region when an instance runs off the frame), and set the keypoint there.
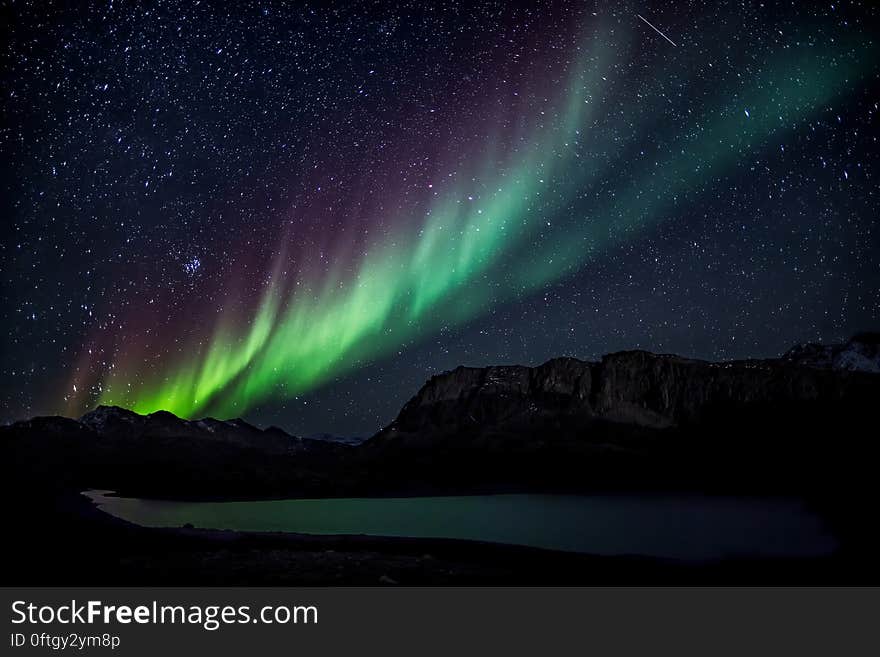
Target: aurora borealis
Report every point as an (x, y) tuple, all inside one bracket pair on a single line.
[(239, 227)]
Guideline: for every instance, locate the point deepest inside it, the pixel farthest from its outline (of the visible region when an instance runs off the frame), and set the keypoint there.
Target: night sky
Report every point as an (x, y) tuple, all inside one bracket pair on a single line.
[(296, 214)]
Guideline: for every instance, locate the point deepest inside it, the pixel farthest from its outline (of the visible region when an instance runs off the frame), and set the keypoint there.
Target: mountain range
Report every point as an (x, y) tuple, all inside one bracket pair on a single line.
[(632, 420)]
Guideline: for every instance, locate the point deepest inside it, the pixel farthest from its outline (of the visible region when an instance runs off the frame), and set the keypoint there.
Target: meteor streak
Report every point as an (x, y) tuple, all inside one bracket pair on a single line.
[(657, 31)]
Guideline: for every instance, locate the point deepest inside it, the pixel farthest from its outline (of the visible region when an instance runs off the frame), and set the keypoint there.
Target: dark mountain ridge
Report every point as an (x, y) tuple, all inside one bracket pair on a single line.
[(112, 421), (162, 455), (637, 388), (861, 353), (632, 420)]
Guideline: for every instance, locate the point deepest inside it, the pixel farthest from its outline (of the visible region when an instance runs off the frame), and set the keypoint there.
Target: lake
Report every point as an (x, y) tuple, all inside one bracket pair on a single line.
[(665, 526)]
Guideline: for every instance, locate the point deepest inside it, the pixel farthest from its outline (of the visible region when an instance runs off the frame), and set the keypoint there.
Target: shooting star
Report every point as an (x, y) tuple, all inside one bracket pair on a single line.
[(657, 31)]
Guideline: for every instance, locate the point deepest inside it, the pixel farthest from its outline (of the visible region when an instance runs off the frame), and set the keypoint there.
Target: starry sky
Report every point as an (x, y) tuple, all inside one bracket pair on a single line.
[(296, 213)]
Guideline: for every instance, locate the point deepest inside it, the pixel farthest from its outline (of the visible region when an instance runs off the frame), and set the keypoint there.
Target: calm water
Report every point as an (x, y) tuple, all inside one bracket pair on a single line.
[(695, 528)]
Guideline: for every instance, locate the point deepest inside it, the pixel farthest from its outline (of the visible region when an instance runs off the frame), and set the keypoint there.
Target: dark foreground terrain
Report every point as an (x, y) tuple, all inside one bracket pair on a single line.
[(803, 425), (71, 542)]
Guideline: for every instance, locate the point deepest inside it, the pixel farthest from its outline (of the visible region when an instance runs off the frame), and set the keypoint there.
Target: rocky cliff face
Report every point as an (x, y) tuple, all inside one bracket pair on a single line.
[(632, 388), (633, 420)]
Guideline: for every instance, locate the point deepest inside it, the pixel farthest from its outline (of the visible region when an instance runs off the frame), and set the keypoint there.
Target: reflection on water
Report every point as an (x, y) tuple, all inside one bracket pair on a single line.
[(694, 528)]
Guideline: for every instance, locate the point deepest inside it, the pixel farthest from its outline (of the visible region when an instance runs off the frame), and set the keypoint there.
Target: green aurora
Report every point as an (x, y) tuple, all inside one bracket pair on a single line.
[(516, 223)]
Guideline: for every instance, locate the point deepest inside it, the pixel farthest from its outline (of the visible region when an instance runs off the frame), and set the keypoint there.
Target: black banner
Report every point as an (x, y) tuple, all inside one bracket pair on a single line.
[(417, 621)]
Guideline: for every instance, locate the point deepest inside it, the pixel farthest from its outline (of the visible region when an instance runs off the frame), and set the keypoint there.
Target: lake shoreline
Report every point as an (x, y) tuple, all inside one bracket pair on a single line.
[(666, 526)]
